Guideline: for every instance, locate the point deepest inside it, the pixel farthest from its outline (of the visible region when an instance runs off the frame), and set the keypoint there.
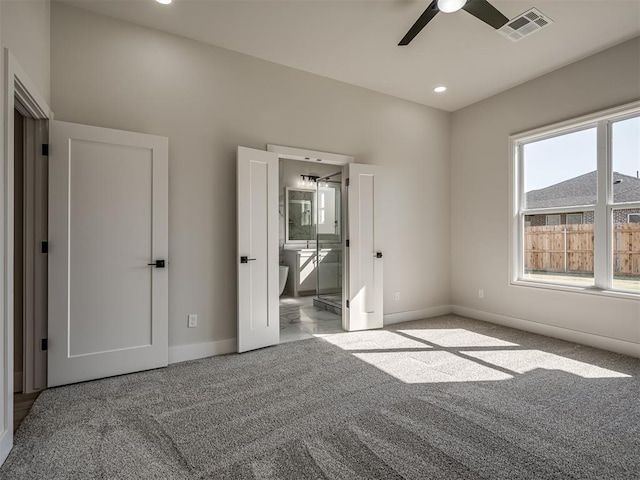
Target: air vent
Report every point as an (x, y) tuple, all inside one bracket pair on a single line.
[(524, 25)]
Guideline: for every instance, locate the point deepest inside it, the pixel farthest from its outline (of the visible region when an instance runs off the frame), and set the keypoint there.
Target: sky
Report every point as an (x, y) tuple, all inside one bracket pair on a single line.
[(554, 160)]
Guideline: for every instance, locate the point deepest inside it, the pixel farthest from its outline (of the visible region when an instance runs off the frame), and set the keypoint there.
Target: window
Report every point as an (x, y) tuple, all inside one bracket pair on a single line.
[(581, 179), (553, 219), (329, 211), (574, 218)]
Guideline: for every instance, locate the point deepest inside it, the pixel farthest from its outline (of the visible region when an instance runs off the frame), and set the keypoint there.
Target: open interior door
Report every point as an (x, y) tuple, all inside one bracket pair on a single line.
[(364, 254), (257, 210), (108, 246)]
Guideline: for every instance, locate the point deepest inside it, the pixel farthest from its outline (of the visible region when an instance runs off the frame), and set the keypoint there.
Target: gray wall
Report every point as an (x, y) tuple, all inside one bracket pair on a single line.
[(208, 100), (26, 32), (480, 195)]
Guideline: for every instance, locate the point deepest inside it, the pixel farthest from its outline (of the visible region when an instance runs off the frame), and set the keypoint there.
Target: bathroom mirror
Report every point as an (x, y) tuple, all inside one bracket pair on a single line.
[(300, 215)]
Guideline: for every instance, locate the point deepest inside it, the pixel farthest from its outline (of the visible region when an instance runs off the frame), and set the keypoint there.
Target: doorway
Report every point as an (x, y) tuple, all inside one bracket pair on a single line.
[(29, 260), (259, 223), (311, 249)]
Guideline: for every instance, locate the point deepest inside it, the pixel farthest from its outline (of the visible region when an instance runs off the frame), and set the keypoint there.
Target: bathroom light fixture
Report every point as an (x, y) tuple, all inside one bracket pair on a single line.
[(308, 181), (450, 6), (440, 89), (164, 2)]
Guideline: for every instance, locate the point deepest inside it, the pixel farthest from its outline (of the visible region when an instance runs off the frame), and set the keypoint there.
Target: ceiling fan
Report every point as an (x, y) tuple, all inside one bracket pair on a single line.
[(480, 9)]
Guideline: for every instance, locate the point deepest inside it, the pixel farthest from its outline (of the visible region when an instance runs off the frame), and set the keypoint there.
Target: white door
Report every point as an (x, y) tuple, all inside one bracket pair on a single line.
[(257, 210), (364, 254), (108, 212)]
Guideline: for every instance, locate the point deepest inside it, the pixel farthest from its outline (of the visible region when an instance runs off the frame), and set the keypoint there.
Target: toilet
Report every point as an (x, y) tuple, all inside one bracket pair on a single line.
[(284, 273)]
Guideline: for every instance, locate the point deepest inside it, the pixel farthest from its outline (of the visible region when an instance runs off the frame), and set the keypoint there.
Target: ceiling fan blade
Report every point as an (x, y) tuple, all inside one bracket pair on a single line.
[(431, 11), (486, 12)]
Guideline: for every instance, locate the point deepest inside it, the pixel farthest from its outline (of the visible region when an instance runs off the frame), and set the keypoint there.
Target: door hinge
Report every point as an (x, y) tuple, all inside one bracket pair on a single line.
[(347, 243), (347, 303), (44, 247), (347, 182), (44, 344), (45, 149)]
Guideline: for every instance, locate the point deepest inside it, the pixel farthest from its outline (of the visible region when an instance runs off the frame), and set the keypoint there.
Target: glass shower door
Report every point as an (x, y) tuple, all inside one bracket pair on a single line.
[(329, 239)]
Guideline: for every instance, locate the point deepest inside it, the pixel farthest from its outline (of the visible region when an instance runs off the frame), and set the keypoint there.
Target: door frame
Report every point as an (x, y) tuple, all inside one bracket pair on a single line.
[(36, 213), (17, 84), (314, 156)]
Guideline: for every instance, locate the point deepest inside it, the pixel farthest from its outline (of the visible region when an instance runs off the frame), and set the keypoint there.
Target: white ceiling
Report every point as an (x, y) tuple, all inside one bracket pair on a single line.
[(356, 41)]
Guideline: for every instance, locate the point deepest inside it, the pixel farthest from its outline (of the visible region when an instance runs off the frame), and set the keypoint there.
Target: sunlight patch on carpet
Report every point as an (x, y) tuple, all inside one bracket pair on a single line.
[(431, 367), (523, 361)]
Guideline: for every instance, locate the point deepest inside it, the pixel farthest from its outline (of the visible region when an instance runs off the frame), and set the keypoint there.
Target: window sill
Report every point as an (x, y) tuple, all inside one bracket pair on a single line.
[(574, 289)]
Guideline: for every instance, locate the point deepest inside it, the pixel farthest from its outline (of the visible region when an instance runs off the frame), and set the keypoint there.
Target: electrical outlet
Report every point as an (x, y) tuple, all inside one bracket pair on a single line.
[(480, 293), (397, 296), (193, 321)]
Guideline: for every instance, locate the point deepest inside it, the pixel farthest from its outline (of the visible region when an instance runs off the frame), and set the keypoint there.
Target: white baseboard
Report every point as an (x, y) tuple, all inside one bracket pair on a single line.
[(182, 353), (6, 441), (391, 318), (605, 343), (194, 351), (18, 382)]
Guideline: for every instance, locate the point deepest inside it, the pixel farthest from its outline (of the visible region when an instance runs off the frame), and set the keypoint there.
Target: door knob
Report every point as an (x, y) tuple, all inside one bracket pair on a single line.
[(246, 259), (378, 255), (157, 264)]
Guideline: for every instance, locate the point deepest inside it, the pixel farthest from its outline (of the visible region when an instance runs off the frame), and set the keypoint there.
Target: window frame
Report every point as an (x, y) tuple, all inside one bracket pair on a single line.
[(603, 208)]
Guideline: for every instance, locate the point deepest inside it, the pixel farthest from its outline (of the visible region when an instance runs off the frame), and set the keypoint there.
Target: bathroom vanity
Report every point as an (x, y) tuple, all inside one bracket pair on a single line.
[(307, 264)]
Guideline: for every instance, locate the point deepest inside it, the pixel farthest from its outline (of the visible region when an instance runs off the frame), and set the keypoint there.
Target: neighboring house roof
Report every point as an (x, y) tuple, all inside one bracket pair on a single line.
[(583, 190)]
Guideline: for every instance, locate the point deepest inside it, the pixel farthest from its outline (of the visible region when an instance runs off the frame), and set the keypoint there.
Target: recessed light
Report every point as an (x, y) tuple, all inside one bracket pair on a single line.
[(440, 89), (164, 2)]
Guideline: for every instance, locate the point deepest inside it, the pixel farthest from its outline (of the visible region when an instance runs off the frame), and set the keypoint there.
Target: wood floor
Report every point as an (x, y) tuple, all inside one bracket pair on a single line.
[(22, 403)]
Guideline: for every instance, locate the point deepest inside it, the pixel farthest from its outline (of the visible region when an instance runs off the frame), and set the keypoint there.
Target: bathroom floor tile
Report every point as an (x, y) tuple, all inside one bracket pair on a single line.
[(292, 334), (300, 320)]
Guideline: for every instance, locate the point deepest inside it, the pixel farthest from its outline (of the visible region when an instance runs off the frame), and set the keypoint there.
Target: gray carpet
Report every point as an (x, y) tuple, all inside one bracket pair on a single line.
[(448, 398)]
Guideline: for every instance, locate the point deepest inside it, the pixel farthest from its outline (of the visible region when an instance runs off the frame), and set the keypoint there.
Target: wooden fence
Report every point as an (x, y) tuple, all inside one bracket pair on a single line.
[(569, 249)]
